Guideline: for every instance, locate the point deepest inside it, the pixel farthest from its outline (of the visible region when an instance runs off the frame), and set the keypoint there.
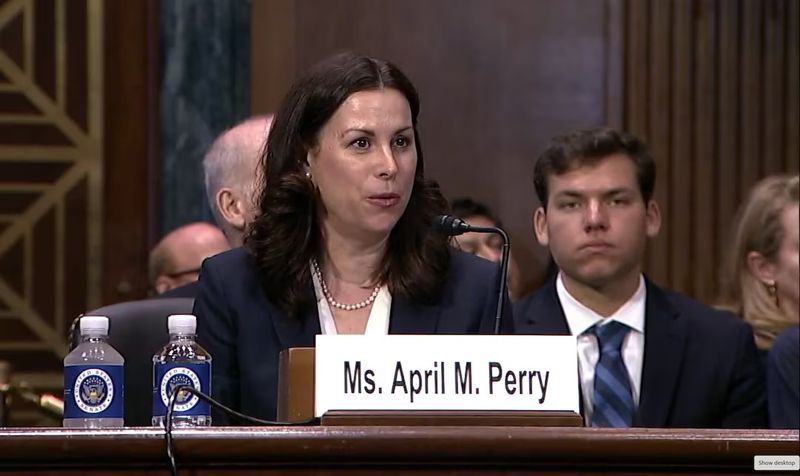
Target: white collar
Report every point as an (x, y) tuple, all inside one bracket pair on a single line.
[(580, 318)]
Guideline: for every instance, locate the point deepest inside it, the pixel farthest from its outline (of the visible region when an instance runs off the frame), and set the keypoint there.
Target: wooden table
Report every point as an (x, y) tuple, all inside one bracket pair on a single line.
[(390, 449)]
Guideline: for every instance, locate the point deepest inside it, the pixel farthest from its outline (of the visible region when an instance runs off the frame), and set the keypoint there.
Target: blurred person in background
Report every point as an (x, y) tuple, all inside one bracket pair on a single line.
[(175, 260), (232, 176), (486, 245), (763, 285)]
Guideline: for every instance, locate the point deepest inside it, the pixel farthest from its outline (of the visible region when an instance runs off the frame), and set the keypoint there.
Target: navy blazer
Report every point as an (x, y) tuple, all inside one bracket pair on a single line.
[(245, 332), (783, 380), (701, 367)]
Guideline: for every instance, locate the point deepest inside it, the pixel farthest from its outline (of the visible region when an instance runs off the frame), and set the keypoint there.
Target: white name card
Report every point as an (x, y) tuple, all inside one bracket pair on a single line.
[(438, 372)]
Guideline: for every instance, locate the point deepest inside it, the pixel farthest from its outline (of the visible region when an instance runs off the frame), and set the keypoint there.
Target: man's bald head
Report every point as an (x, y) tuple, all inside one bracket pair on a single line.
[(176, 259), (231, 174)]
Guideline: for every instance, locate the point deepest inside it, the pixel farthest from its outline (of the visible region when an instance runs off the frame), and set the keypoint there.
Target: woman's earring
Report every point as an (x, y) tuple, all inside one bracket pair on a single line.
[(308, 175), (772, 289)]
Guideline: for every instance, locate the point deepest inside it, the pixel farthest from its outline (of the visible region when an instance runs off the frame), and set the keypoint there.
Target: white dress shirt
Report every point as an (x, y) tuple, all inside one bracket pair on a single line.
[(377, 322), (580, 318)]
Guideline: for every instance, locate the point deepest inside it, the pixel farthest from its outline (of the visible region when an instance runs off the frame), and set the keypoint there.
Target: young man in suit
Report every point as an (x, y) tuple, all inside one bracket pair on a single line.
[(647, 356)]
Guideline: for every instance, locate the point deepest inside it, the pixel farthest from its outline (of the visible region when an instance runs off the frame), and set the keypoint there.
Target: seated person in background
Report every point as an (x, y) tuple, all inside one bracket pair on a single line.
[(763, 265), (174, 264), (486, 245), (764, 271), (342, 242), (176, 259), (231, 172), (646, 356), (230, 168)]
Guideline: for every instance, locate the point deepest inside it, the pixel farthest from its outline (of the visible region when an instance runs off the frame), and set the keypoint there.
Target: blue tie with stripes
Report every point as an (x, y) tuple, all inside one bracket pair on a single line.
[(613, 401)]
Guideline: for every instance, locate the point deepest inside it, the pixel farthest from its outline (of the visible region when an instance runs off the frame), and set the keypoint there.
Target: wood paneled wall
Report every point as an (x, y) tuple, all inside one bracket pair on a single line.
[(496, 80), (712, 85), (51, 175), (77, 104), (130, 149)]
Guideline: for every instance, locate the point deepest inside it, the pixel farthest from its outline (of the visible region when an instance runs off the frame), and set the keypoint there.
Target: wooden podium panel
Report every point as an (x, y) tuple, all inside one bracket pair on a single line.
[(296, 404), (450, 418), (296, 384), (397, 450)]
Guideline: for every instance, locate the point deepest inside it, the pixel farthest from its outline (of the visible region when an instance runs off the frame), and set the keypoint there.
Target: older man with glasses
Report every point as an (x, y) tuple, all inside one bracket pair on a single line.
[(176, 259)]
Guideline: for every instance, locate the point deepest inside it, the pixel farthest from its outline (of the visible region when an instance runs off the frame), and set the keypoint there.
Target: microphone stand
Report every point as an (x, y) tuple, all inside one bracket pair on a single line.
[(501, 299), (503, 278), (5, 387), (453, 226)]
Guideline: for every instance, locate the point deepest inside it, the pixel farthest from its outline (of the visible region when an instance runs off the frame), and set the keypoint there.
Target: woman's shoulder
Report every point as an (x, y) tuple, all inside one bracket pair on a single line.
[(236, 264), (231, 277), (469, 260), (466, 267), (235, 257)]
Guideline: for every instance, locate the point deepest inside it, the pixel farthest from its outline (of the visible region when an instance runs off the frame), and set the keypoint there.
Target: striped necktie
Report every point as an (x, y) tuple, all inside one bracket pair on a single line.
[(613, 400)]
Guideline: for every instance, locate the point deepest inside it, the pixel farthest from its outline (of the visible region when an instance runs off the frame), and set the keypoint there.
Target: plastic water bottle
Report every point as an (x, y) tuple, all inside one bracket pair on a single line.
[(93, 379), (181, 362)]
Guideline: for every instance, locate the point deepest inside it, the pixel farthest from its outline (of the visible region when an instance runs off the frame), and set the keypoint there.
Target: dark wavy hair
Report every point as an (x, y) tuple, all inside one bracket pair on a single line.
[(286, 235), (466, 207), (587, 147)]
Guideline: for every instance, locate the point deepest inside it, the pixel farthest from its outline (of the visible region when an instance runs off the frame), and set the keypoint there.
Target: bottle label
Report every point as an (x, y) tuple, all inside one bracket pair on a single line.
[(93, 391), (168, 377)]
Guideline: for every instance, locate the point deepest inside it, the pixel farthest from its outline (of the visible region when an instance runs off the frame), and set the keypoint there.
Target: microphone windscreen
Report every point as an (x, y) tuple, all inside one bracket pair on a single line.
[(449, 225)]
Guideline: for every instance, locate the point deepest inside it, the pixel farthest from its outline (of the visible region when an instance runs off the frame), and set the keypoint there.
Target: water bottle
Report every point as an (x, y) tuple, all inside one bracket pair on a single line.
[(93, 379), (182, 362)]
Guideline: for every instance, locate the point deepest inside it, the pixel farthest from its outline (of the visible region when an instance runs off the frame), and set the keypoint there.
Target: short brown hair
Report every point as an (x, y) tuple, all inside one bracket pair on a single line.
[(584, 147)]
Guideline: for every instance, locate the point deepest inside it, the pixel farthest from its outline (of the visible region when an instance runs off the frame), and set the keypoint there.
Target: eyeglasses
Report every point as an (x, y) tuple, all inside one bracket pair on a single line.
[(178, 274)]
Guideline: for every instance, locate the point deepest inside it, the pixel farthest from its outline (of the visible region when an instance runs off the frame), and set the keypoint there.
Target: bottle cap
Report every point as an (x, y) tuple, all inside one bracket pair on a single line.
[(182, 324), (94, 325)]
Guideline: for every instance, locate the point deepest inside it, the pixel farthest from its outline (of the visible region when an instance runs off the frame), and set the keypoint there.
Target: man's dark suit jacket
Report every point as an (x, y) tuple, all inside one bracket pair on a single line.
[(245, 332), (188, 290), (701, 367)]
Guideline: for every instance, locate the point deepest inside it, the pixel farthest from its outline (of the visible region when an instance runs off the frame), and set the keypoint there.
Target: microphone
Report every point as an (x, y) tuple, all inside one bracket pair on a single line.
[(454, 226), (5, 387), (450, 225), (44, 402)]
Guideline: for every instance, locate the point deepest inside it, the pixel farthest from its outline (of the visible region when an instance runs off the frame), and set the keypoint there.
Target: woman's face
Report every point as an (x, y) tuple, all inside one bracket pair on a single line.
[(786, 264), (364, 164)]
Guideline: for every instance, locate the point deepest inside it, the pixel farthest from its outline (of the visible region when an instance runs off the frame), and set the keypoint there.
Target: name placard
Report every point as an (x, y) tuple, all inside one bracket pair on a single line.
[(438, 372)]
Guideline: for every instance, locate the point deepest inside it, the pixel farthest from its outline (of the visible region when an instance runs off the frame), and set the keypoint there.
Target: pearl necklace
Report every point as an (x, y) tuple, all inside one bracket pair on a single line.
[(335, 303)]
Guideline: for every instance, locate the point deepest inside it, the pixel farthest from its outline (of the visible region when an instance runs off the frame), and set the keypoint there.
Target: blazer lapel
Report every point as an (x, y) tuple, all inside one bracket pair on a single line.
[(300, 331), (544, 315), (409, 318), (664, 343)]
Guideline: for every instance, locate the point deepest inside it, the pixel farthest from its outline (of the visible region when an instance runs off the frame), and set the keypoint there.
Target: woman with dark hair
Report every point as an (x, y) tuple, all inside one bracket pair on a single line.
[(343, 242)]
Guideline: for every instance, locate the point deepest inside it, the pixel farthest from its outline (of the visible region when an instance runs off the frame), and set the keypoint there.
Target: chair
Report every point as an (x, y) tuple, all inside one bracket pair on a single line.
[(138, 329)]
